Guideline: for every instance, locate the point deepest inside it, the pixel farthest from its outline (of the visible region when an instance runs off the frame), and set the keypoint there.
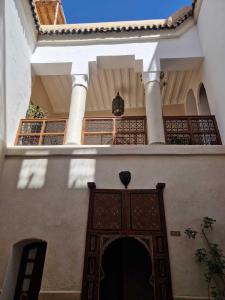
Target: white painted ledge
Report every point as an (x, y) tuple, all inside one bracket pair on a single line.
[(153, 150)]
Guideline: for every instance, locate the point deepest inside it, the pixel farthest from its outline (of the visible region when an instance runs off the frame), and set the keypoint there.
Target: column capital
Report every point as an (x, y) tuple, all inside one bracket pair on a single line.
[(80, 79), (151, 77)]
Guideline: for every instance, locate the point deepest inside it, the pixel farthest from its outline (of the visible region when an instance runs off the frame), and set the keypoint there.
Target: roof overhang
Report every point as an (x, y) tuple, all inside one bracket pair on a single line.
[(146, 26)]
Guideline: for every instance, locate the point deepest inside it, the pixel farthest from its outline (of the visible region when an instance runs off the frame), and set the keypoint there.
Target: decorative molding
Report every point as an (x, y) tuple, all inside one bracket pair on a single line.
[(122, 37)]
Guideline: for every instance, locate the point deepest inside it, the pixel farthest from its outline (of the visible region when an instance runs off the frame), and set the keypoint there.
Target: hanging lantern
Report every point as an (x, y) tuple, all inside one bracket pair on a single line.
[(118, 106)]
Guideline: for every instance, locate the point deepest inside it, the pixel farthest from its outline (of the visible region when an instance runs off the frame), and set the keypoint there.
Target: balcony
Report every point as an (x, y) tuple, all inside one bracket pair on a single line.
[(182, 130)]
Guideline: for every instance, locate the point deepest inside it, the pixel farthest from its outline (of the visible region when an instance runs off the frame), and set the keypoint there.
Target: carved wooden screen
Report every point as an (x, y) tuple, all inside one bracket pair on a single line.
[(116, 214), (114, 131)]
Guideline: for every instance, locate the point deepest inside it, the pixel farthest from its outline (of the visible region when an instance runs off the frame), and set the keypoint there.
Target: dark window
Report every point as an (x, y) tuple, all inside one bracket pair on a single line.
[(30, 272)]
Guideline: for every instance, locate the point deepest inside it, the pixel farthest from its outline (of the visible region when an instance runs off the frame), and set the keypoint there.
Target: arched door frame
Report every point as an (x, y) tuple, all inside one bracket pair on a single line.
[(116, 214), (10, 282), (107, 240)]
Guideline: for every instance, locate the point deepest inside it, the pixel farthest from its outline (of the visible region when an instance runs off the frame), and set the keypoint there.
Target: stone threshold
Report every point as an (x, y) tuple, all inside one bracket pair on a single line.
[(76, 295), (59, 295), (189, 298)]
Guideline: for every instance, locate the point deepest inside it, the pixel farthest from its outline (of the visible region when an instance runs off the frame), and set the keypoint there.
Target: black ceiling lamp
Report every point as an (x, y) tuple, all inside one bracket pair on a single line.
[(118, 106)]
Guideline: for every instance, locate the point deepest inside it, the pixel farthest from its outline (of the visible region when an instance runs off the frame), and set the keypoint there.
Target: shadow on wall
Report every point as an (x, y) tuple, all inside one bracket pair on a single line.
[(76, 172)]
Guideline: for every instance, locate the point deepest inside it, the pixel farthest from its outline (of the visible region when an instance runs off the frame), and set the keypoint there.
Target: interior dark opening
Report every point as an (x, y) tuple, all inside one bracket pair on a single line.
[(126, 271)]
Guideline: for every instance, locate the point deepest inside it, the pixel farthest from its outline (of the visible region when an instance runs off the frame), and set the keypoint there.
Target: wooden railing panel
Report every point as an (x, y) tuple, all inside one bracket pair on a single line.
[(41, 132), (191, 130), (114, 131)]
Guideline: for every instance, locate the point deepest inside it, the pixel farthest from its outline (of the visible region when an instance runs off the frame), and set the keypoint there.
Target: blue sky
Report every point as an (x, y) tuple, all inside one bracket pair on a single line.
[(88, 11)]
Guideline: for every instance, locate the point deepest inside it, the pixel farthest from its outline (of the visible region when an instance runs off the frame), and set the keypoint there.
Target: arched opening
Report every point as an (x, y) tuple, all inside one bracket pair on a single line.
[(126, 271), (24, 274), (203, 104), (191, 106)]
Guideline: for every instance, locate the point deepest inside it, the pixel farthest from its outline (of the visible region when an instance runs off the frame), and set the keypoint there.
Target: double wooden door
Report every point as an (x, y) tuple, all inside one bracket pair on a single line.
[(126, 246)]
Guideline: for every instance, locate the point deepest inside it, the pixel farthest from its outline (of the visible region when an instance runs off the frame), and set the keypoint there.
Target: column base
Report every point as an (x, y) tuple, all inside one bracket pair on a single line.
[(73, 144)]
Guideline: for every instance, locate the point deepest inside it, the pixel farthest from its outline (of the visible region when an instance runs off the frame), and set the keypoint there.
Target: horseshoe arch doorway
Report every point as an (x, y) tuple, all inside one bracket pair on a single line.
[(126, 271), (126, 236)]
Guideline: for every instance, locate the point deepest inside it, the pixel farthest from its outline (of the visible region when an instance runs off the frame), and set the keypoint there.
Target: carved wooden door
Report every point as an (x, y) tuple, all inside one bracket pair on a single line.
[(116, 214)]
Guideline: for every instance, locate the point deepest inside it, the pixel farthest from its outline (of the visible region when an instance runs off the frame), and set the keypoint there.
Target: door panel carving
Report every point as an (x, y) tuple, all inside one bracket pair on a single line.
[(145, 213), (107, 211), (118, 214)]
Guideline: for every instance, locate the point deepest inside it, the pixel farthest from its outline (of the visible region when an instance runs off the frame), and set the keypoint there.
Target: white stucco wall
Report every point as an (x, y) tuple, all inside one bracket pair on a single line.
[(62, 50), (212, 36), (46, 197), (2, 82), (20, 42)]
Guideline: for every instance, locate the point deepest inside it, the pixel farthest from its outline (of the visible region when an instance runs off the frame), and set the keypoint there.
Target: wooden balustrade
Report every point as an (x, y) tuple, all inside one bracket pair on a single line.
[(41, 132), (191, 130), (179, 130), (114, 131)]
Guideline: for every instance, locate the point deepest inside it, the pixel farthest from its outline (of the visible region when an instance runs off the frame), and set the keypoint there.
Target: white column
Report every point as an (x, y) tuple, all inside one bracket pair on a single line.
[(77, 109), (153, 104)]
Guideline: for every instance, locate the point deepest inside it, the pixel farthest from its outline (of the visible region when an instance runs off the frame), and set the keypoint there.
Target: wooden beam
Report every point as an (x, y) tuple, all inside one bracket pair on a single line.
[(56, 13)]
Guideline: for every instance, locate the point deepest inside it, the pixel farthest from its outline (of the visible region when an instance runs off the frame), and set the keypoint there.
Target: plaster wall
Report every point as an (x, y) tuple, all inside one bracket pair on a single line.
[(2, 82), (20, 43), (212, 36), (39, 95), (173, 110), (150, 51), (46, 197)]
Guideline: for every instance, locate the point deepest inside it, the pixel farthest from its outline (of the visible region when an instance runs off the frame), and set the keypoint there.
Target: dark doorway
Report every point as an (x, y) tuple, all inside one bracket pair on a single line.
[(127, 271), (30, 271)]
